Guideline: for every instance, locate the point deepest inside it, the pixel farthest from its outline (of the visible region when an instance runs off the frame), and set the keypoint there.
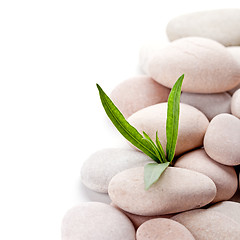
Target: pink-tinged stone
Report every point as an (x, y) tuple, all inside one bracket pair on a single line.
[(209, 225), (192, 125), (162, 228), (232, 91), (210, 104), (95, 221), (224, 177), (200, 60), (137, 93), (235, 104), (177, 190), (222, 139)]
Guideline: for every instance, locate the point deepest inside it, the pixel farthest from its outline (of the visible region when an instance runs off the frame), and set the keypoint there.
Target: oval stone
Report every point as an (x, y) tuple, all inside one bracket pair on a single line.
[(177, 190), (199, 59), (221, 25), (210, 104), (94, 221), (100, 167), (224, 177), (191, 130), (209, 225), (162, 228), (137, 93), (235, 104), (222, 139)]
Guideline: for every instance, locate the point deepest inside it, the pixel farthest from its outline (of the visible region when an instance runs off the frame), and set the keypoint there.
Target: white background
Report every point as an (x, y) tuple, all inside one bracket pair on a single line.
[(52, 53)]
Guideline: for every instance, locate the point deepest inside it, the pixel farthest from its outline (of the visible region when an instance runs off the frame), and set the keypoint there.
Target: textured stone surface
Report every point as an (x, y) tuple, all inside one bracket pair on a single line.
[(137, 93), (177, 190), (235, 104), (199, 59), (222, 139), (209, 225), (224, 177), (100, 167), (210, 104), (221, 25), (192, 125), (162, 228), (95, 221)]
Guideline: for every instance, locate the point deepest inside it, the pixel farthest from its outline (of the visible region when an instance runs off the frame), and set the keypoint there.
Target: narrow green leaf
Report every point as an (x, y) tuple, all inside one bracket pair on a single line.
[(127, 130), (152, 172), (173, 118), (160, 148)]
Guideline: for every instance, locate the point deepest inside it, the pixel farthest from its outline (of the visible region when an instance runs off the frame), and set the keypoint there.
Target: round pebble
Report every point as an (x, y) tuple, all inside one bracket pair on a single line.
[(199, 59), (100, 167), (177, 190), (95, 221), (137, 93), (222, 139), (162, 228), (235, 104), (221, 25), (192, 125), (210, 104), (224, 177)]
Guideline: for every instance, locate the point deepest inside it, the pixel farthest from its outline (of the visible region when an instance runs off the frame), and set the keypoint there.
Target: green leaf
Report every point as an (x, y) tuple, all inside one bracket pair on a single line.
[(127, 130), (173, 118), (161, 151), (152, 172)]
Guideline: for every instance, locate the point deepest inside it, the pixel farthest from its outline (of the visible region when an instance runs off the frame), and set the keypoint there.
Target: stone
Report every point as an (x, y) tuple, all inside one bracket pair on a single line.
[(232, 91), (235, 104), (162, 228), (136, 93), (177, 190), (192, 125), (222, 139), (221, 25), (228, 208), (224, 177), (199, 59), (101, 166), (209, 225), (210, 104), (94, 221)]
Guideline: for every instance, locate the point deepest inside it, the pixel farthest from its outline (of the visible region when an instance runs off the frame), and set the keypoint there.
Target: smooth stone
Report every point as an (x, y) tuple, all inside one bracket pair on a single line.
[(137, 93), (210, 104), (236, 197), (147, 52), (221, 25), (101, 166), (228, 208), (191, 130), (199, 59), (222, 139), (224, 177), (138, 220), (177, 190), (162, 228), (209, 225), (235, 104), (232, 91), (95, 221)]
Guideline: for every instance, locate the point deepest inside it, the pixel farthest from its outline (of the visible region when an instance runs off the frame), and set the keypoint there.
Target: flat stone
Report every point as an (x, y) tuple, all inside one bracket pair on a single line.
[(136, 93), (224, 177), (209, 225), (162, 228), (235, 104), (192, 125), (210, 104), (221, 25), (95, 221), (101, 166), (177, 190), (199, 60), (222, 139)]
